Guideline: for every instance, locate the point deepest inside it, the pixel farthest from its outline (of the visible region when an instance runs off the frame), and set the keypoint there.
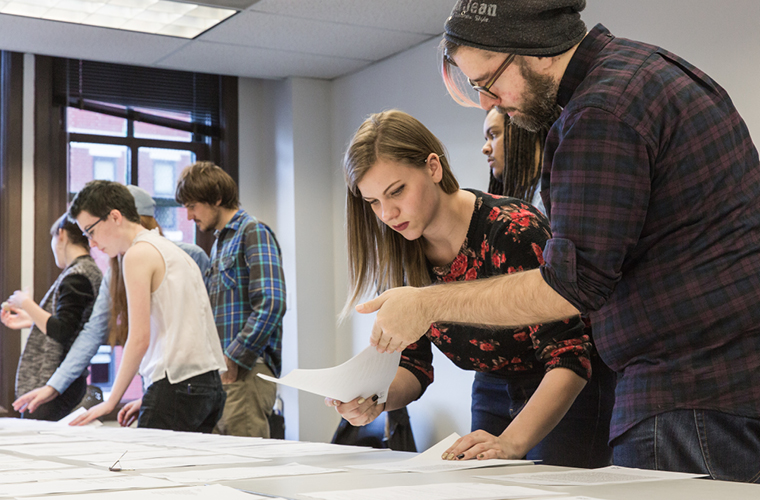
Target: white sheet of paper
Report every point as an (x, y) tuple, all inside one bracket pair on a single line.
[(287, 449), (117, 482), (181, 493), (366, 374), (442, 491), (586, 477), (29, 464), (32, 476), (237, 473), (430, 461), (159, 463)]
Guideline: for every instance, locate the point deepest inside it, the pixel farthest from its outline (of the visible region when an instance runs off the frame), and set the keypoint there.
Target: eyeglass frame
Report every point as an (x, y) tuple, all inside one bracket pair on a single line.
[(486, 89), (87, 232)]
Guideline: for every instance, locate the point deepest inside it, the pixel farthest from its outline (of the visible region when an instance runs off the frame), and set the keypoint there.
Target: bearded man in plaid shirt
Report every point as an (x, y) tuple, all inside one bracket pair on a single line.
[(247, 292)]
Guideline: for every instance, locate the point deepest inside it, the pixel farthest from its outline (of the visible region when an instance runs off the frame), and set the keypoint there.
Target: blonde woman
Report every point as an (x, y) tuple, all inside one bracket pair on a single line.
[(408, 223)]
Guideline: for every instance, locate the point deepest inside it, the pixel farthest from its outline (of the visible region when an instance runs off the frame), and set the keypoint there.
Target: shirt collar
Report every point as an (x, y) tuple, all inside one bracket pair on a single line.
[(580, 63), (233, 224)]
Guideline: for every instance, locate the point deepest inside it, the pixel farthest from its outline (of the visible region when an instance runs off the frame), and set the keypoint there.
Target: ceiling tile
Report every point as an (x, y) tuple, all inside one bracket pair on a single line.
[(416, 16), (262, 30), (258, 63)]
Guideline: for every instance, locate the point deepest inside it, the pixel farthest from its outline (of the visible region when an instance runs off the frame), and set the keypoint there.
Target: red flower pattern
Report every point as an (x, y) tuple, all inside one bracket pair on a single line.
[(519, 238)]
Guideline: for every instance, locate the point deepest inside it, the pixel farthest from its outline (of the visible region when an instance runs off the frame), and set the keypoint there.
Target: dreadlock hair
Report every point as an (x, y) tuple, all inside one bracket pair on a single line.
[(379, 258), (523, 157)]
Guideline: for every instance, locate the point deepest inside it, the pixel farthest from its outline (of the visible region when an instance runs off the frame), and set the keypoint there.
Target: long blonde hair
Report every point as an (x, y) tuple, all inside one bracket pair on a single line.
[(118, 323), (378, 256)]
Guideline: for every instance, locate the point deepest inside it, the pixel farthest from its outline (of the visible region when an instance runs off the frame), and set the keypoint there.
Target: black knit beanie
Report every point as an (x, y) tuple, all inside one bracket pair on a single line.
[(523, 27)]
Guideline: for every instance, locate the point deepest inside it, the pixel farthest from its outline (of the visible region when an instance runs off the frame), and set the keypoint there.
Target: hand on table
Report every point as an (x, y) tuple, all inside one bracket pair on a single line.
[(34, 398), (93, 413), (481, 445)]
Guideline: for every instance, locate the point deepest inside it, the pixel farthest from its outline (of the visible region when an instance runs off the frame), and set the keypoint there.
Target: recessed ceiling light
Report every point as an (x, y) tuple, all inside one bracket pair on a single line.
[(162, 17)]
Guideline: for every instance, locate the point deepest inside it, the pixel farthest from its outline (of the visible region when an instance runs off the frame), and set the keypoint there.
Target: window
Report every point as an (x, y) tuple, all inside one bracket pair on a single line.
[(141, 126)]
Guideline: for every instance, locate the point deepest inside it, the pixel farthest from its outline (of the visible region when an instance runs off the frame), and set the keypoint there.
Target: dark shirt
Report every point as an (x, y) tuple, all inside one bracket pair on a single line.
[(651, 183), (506, 235), (75, 294)]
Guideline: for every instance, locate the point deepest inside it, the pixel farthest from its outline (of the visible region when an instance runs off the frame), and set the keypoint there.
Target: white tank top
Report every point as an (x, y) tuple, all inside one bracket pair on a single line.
[(183, 338)]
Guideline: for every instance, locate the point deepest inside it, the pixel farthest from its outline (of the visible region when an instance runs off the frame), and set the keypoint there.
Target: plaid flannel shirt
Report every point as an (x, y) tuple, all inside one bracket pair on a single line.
[(247, 292), (652, 182)]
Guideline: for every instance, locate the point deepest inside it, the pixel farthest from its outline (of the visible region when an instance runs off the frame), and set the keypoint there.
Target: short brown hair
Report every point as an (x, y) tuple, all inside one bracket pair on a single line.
[(205, 182)]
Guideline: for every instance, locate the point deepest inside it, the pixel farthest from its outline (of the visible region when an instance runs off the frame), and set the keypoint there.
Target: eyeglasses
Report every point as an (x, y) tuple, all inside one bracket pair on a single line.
[(87, 233), (486, 89)]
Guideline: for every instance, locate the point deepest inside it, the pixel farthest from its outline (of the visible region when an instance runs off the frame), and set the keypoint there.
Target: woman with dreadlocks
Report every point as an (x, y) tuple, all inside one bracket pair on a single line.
[(537, 389), (515, 156)]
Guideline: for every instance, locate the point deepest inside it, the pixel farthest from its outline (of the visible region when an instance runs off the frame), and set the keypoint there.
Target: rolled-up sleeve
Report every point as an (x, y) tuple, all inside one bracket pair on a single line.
[(599, 188)]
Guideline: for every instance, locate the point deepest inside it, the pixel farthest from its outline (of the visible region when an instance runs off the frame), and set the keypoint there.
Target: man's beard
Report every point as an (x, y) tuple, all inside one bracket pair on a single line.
[(538, 110)]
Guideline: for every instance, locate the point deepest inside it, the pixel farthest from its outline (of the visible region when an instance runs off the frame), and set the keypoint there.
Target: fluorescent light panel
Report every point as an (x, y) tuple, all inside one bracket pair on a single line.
[(159, 17)]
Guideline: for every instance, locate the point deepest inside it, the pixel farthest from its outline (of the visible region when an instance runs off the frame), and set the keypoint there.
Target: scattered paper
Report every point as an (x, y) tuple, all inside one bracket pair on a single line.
[(130, 464), (367, 374), (117, 482), (443, 491), (181, 493), (289, 449), (237, 473), (430, 461), (32, 476), (605, 475)]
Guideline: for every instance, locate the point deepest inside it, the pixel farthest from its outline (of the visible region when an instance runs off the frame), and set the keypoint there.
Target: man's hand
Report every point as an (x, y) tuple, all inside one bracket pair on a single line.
[(34, 398), (231, 374), (401, 318), (129, 413), (358, 412)]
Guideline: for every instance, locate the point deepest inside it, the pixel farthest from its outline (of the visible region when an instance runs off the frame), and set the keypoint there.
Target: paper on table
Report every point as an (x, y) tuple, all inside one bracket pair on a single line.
[(443, 491), (430, 461), (237, 473), (117, 482), (181, 493), (366, 374), (585, 477)]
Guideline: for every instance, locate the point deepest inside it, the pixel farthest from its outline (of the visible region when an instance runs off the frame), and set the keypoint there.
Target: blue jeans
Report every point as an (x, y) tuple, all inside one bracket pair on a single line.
[(579, 440), (193, 405), (727, 447)]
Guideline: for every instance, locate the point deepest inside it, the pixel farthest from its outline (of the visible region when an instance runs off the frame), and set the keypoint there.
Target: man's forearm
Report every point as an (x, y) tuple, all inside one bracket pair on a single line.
[(510, 300)]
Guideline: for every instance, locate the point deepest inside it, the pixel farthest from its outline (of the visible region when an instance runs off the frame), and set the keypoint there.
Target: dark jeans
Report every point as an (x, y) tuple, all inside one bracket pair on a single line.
[(579, 440), (727, 447), (193, 405), (62, 405)]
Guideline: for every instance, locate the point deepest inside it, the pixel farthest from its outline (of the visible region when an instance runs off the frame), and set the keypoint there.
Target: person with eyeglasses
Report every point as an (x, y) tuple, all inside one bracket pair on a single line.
[(539, 391), (56, 321), (651, 181), (171, 338), (100, 325)]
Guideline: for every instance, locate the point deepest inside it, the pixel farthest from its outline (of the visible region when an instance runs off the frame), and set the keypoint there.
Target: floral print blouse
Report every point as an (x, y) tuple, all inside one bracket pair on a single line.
[(506, 235)]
